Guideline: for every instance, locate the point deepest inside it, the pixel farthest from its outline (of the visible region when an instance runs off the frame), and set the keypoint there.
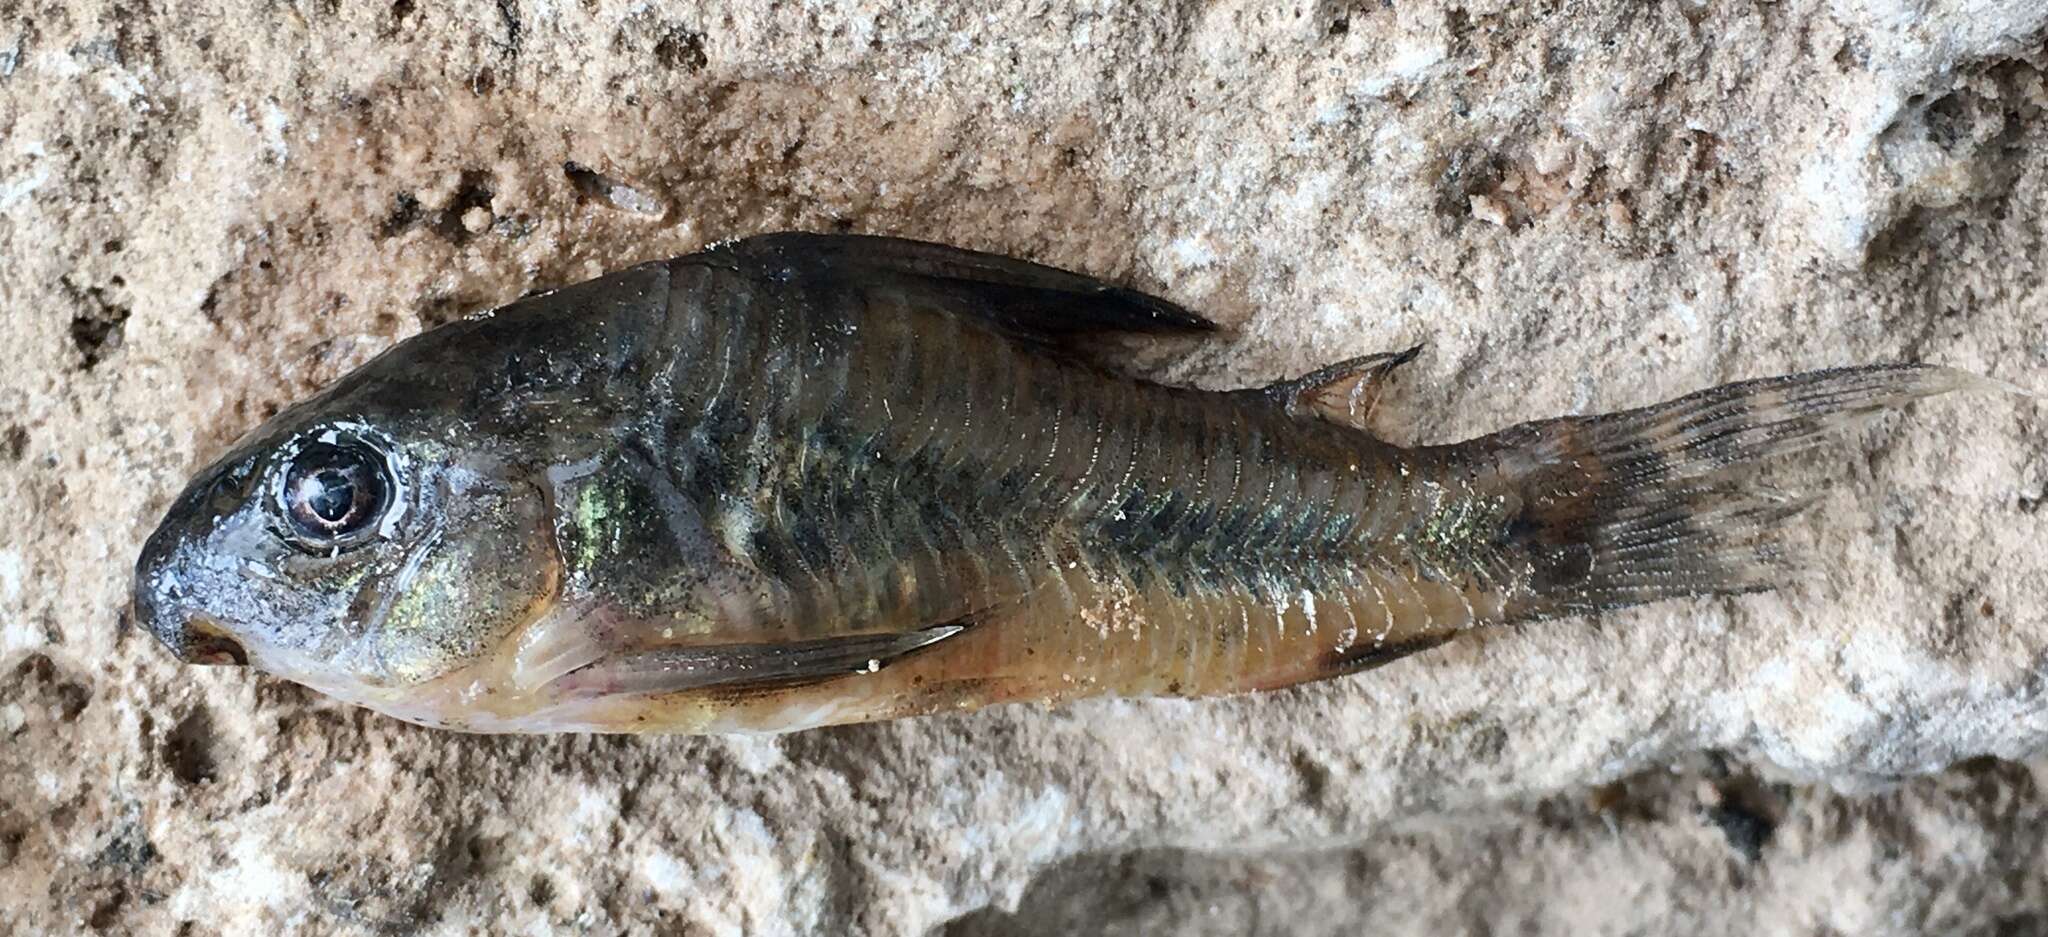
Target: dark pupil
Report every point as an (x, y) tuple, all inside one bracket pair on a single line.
[(332, 495), (335, 491)]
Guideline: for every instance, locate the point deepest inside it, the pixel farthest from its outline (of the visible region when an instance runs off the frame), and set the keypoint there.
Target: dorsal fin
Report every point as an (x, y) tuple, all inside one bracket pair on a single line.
[(1028, 301)]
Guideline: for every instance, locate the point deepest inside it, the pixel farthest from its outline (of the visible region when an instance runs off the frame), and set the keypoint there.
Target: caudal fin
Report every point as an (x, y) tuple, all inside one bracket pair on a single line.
[(1640, 505)]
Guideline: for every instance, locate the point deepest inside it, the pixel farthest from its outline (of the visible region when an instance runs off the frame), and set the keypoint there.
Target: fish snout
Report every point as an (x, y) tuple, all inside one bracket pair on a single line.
[(160, 606), (193, 637)]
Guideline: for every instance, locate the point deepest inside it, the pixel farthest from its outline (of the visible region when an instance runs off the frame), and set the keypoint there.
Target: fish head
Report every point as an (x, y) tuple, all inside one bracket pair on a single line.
[(396, 540), (371, 540)]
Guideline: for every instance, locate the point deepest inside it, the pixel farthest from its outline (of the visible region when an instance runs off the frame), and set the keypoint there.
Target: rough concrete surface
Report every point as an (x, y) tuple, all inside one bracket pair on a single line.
[(206, 211)]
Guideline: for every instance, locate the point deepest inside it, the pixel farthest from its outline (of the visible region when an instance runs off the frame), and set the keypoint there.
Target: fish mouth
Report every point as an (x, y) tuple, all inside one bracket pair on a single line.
[(197, 639), (208, 644)]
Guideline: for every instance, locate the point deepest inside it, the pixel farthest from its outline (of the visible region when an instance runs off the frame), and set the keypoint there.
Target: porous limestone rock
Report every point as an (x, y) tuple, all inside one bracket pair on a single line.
[(207, 210)]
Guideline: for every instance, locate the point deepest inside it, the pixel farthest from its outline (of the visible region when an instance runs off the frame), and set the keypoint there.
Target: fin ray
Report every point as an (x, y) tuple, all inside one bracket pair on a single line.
[(1028, 301), (1658, 502), (1344, 393), (736, 666)]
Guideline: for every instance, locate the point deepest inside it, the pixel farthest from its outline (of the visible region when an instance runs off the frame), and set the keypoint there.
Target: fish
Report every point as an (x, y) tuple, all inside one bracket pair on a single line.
[(796, 480)]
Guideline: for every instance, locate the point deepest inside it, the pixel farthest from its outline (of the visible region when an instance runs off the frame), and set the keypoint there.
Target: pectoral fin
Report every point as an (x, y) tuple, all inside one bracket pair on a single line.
[(782, 663), (1028, 301)]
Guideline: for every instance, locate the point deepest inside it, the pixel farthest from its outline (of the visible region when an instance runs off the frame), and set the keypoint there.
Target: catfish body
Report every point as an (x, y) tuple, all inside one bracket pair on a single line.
[(798, 480)]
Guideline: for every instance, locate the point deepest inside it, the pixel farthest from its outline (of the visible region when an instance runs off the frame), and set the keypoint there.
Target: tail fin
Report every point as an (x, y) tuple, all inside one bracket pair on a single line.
[(1631, 507)]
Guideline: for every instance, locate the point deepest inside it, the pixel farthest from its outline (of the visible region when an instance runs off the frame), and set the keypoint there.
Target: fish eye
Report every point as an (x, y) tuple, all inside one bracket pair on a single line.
[(334, 494)]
